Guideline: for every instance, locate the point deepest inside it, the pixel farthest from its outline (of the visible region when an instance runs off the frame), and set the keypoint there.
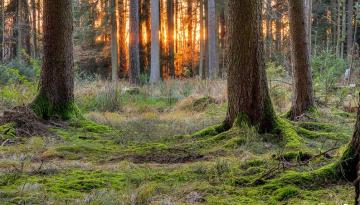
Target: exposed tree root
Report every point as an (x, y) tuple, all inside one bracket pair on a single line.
[(25, 122)]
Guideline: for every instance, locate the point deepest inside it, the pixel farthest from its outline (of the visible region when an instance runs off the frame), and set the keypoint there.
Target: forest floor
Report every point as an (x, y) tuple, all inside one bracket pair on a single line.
[(144, 147)]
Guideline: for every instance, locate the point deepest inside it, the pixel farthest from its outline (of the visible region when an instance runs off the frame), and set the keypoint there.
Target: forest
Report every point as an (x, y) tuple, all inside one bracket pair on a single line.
[(171, 102)]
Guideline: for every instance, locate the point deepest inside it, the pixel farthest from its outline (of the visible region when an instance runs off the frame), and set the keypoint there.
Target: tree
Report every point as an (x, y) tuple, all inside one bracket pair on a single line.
[(134, 69), (34, 29), (350, 28), (121, 32), (2, 35), (303, 98), (170, 36), (213, 59), (249, 98), (56, 93), (114, 42), (155, 42)]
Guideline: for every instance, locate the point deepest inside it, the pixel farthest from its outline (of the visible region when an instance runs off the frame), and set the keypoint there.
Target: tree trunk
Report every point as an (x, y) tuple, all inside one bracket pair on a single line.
[(202, 39), (26, 29), (170, 36), (34, 29), (114, 42), (122, 36), (134, 66), (303, 98), (350, 28), (212, 29), (206, 41), (19, 21), (155, 42), (2, 35), (249, 98), (56, 94), (144, 36)]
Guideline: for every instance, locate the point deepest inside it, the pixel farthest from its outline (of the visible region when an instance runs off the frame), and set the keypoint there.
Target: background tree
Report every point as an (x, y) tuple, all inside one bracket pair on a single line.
[(247, 84), (212, 29), (134, 64), (56, 93), (155, 42), (303, 98), (114, 42)]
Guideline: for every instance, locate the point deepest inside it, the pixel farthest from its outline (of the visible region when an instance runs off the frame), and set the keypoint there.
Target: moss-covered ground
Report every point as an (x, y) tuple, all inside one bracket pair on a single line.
[(169, 151)]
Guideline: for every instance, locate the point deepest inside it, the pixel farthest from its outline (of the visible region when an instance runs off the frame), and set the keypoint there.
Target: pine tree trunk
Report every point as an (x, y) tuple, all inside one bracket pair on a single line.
[(249, 98), (303, 98), (121, 35), (19, 21), (114, 42), (212, 29), (350, 28), (202, 39), (144, 42), (26, 29), (134, 64), (155, 42), (206, 41), (56, 94), (170, 36), (2, 35), (34, 29)]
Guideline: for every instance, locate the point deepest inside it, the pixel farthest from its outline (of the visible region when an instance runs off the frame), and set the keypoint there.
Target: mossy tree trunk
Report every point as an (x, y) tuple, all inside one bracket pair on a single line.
[(303, 98), (249, 97), (56, 94)]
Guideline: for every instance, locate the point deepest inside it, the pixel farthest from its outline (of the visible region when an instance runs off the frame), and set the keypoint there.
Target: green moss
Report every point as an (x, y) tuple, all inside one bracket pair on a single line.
[(7, 131), (314, 135), (210, 131), (286, 193), (45, 109), (291, 138)]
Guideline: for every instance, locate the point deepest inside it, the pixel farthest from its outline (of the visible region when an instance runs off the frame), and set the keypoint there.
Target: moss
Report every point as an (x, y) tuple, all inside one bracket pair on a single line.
[(291, 138), (7, 131), (314, 135), (46, 110), (286, 193), (210, 131)]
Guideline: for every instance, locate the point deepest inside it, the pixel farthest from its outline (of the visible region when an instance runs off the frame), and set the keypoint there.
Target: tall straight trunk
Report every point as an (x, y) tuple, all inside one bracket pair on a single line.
[(249, 98), (212, 29), (144, 35), (308, 20), (344, 28), (34, 29), (202, 40), (26, 29), (303, 98), (190, 43), (350, 28), (114, 42), (155, 42), (134, 65), (56, 94), (338, 29), (170, 36), (122, 37), (19, 21), (206, 37), (2, 35)]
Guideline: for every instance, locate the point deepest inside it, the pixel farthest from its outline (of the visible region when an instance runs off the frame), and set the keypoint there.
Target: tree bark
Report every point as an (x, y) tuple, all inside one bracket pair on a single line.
[(212, 29), (202, 41), (350, 28), (134, 66), (34, 29), (122, 36), (114, 42), (303, 98), (56, 94), (170, 36), (249, 98), (155, 42), (2, 40)]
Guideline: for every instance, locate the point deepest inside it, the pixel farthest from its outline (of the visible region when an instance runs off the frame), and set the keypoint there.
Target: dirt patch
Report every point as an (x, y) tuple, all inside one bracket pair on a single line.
[(25, 122)]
